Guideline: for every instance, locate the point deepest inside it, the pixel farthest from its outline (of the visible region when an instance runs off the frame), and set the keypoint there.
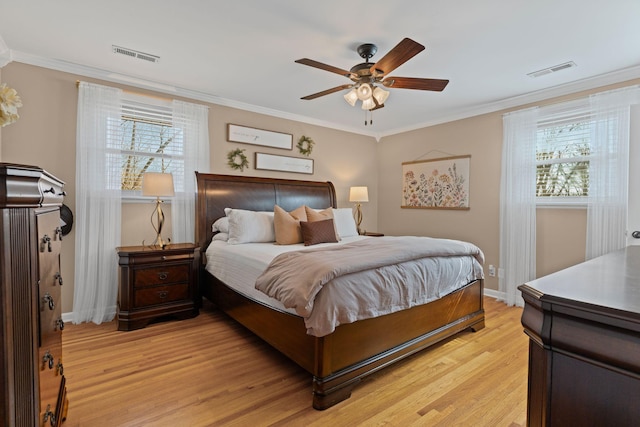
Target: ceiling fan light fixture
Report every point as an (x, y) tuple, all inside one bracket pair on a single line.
[(351, 97), (368, 104), (364, 91), (380, 95)]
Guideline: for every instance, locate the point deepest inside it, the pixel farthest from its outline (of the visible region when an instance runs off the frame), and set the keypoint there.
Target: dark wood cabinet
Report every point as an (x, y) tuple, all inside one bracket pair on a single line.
[(157, 282), (584, 348), (32, 382)]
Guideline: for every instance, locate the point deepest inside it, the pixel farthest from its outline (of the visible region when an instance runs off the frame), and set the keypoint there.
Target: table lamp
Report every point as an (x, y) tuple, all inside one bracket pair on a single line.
[(358, 195), (158, 185)]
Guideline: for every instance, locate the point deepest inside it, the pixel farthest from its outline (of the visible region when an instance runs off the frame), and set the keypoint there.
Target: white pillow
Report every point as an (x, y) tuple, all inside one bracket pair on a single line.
[(250, 226), (221, 225), (345, 224), (221, 236)]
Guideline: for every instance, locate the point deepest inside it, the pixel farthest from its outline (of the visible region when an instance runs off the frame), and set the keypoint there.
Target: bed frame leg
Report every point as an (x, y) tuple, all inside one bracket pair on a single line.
[(477, 326), (323, 399)]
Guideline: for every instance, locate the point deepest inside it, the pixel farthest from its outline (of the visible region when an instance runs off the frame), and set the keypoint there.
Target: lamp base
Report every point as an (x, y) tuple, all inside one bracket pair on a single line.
[(159, 216)]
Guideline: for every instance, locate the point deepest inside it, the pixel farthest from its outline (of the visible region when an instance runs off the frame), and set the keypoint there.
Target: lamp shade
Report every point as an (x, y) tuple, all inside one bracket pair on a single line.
[(157, 184), (358, 194), (351, 97)]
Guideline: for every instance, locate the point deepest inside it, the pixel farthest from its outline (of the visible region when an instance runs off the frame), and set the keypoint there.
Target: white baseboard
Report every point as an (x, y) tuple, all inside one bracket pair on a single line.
[(500, 296)]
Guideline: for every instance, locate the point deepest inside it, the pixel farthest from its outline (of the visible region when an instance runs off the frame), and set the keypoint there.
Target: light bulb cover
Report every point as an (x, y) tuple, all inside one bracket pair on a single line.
[(364, 91), (368, 104), (351, 97), (380, 95)]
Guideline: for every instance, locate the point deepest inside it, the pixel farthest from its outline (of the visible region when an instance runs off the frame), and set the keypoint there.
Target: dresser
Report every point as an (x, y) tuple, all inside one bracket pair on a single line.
[(157, 282), (584, 349), (32, 381)]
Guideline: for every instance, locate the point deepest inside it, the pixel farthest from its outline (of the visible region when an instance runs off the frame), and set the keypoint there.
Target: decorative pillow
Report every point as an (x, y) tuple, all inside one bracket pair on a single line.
[(345, 224), (287, 225), (318, 232), (221, 236), (221, 225), (314, 215), (250, 226)]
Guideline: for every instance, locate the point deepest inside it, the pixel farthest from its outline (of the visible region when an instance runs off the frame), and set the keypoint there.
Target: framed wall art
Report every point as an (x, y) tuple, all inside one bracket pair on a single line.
[(436, 183), (266, 138), (274, 162)]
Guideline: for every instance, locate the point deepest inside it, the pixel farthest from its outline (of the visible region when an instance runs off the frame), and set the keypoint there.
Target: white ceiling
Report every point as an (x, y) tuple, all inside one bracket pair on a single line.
[(241, 53)]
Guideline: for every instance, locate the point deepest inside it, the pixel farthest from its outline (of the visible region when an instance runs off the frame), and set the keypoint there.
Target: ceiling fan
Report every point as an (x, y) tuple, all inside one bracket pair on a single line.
[(367, 76)]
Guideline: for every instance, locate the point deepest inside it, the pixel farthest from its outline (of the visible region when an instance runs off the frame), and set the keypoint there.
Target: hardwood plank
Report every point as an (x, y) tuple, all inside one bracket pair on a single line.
[(210, 371)]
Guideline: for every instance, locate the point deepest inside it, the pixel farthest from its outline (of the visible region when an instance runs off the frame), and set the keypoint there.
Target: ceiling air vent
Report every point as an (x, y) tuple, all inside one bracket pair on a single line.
[(553, 69), (135, 54)]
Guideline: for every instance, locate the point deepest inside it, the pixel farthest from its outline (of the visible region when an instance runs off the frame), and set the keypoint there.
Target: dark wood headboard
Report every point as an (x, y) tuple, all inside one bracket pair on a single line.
[(216, 192)]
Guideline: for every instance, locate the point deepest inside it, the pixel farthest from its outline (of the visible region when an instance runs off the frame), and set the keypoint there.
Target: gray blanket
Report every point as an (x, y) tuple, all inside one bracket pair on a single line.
[(295, 278)]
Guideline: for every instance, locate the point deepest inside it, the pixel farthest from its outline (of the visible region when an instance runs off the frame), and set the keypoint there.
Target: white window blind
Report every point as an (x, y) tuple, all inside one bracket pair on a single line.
[(147, 142)]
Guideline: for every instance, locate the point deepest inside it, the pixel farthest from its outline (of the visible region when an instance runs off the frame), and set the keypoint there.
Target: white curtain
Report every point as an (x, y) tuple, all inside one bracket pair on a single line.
[(98, 208), (193, 120), (518, 203), (609, 170)]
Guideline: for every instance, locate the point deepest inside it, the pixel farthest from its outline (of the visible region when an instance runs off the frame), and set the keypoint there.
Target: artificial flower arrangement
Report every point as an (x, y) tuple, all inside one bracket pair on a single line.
[(9, 104)]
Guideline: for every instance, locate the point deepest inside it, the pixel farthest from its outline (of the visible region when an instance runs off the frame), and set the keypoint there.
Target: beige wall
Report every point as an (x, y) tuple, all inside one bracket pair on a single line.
[(560, 232), (45, 136)]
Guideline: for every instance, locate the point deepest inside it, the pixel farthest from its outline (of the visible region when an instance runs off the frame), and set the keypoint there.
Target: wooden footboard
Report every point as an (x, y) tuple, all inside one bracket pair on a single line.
[(340, 360)]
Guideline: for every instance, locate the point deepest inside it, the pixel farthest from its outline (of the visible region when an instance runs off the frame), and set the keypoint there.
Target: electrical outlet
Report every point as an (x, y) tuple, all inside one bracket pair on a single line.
[(492, 271)]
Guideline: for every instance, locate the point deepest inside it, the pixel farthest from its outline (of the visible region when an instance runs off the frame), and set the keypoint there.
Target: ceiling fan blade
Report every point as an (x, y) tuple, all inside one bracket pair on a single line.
[(415, 83), (320, 65), (404, 51), (326, 92)]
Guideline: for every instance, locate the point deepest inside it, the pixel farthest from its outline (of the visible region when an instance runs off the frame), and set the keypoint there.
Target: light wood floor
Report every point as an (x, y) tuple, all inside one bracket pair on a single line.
[(209, 371)]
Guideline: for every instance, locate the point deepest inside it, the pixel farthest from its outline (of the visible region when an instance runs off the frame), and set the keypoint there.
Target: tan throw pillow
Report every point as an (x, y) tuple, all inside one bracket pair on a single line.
[(287, 225), (318, 232), (314, 215)]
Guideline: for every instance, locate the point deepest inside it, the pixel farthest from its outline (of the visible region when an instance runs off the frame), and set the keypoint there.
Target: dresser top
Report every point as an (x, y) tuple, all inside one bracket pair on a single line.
[(611, 281)]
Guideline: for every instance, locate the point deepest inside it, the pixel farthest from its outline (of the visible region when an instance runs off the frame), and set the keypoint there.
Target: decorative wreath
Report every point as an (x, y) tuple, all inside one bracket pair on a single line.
[(305, 145), (237, 159)]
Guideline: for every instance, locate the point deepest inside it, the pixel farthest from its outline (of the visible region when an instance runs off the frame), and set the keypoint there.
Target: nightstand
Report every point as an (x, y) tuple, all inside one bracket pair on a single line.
[(373, 234), (157, 282)]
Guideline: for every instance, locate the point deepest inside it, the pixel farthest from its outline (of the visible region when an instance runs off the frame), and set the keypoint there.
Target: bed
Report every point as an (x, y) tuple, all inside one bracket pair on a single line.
[(339, 360)]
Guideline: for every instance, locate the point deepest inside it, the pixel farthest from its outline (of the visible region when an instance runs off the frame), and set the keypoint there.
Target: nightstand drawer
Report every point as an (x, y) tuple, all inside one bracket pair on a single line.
[(161, 294), (164, 274)]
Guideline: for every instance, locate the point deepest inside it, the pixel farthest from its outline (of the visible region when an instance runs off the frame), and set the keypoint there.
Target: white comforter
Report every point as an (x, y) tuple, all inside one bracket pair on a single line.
[(356, 295)]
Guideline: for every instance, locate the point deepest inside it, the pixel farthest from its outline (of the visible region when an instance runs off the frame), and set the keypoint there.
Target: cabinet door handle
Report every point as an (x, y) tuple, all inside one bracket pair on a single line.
[(58, 277), (59, 368), (49, 416), (45, 243), (60, 324), (58, 233), (47, 359), (47, 298)]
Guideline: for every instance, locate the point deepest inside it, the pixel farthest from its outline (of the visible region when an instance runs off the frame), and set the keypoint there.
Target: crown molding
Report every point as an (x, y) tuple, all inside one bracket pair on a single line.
[(614, 77), (463, 113)]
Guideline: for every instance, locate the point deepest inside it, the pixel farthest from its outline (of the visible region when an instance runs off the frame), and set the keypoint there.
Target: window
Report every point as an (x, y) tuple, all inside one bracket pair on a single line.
[(147, 142), (563, 154)]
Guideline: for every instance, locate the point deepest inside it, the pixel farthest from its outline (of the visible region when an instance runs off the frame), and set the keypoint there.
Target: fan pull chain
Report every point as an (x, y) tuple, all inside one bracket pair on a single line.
[(370, 118)]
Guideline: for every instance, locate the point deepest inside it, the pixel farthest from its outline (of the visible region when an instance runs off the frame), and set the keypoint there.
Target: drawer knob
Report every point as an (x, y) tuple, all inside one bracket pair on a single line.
[(47, 359), (163, 294), (58, 277), (60, 324), (163, 275), (48, 299), (59, 368), (58, 233)]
